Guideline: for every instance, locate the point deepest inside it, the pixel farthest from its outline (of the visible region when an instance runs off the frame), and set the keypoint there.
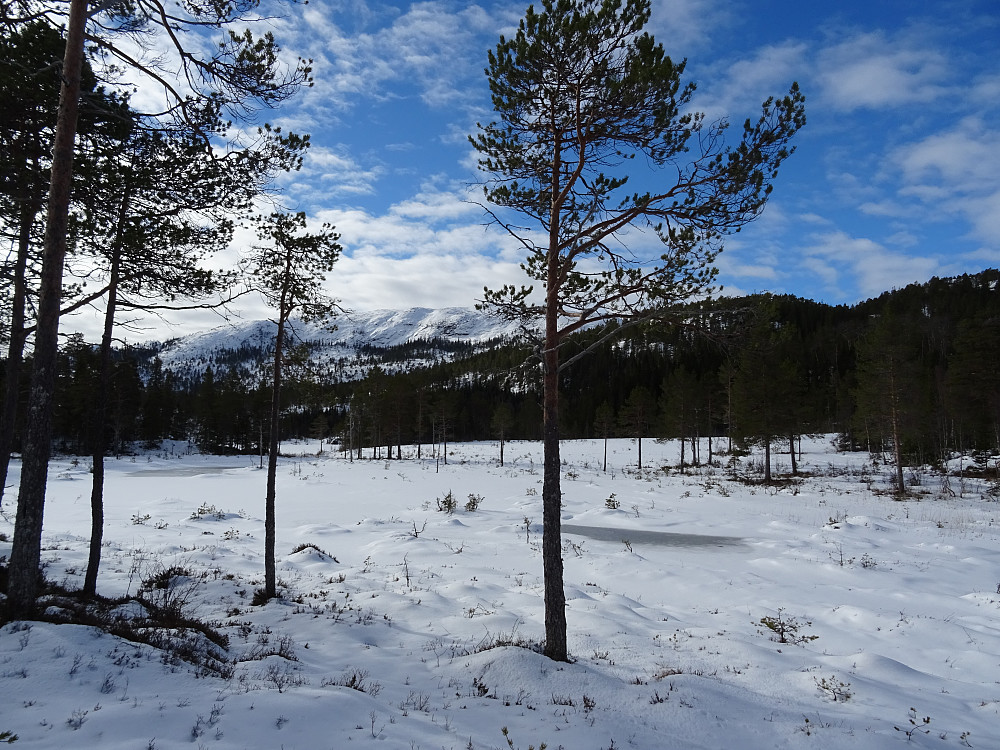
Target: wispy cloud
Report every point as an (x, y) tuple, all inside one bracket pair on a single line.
[(876, 70), (952, 173), (332, 171), (432, 46)]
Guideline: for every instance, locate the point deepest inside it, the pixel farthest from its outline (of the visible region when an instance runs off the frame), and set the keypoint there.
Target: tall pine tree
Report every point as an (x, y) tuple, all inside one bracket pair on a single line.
[(584, 100)]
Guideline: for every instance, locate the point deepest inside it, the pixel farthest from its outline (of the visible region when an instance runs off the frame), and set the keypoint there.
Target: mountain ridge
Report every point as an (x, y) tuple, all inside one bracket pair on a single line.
[(358, 341)]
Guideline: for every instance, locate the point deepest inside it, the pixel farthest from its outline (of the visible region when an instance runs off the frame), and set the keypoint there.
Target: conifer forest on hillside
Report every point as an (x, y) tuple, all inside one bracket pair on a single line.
[(906, 367)]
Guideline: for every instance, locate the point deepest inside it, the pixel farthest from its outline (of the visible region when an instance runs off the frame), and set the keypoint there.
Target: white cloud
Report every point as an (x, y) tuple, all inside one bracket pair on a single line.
[(873, 70), (813, 218), (435, 206), (819, 267), (368, 281), (873, 267), (683, 25), (903, 239), (987, 256), (953, 174), (966, 155), (734, 269), (746, 83), (413, 257)]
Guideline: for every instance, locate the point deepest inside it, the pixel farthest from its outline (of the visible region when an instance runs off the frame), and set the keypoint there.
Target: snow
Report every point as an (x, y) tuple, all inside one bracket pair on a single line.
[(341, 345), (891, 608)]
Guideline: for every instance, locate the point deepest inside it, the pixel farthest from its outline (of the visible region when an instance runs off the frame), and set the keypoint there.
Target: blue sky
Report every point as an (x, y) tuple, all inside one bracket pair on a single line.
[(896, 177)]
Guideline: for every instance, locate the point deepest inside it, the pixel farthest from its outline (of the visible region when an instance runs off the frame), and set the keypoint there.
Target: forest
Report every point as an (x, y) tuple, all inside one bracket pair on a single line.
[(905, 375)]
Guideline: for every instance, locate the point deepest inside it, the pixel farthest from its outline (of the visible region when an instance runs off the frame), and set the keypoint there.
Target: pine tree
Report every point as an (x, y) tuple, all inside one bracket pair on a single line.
[(585, 99), (29, 88), (288, 271), (500, 423), (239, 76), (889, 407), (604, 426), (161, 204), (767, 389), (681, 407), (973, 383), (637, 416)]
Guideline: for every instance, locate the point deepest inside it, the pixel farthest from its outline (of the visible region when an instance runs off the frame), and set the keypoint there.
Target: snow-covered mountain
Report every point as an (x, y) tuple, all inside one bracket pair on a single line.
[(393, 339)]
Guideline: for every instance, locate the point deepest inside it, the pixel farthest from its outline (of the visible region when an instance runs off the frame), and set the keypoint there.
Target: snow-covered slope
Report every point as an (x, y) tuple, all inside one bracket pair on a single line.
[(387, 328), (351, 348)]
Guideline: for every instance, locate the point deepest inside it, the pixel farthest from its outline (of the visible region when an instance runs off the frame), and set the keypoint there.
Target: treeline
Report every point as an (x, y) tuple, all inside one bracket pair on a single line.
[(910, 374)]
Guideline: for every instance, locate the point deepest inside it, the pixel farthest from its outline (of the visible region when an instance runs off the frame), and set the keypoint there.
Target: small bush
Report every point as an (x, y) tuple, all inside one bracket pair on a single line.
[(76, 719), (448, 504), (612, 503), (356, 679), (208, 511), (916, 726), (169, 590), (510, 741), (834, 688), (785, 629), (474, 502)]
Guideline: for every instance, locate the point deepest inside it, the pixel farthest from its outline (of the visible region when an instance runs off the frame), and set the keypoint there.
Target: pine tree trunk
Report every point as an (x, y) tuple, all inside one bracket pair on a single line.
[(99, 433), (15, 348), (23, 573), (552, 562), (897, 451), (99, 430), (270, 566), (791, 453), (767, 460), (894, 397)]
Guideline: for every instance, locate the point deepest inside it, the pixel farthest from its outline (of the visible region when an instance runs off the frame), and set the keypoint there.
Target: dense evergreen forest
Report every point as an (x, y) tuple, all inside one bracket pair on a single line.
[(910, 374)]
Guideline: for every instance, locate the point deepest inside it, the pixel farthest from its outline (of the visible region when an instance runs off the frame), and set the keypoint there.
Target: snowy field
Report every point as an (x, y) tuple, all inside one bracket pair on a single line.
[(890, 610)]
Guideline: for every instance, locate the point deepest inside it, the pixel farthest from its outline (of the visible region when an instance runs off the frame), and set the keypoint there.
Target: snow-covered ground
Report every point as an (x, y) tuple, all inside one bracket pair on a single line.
[(890, 608)]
